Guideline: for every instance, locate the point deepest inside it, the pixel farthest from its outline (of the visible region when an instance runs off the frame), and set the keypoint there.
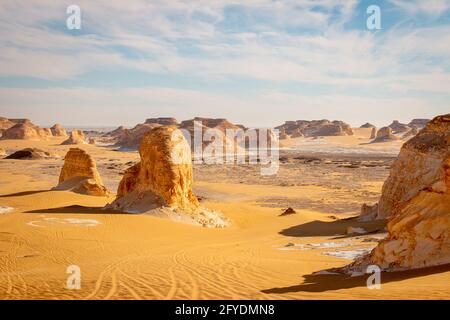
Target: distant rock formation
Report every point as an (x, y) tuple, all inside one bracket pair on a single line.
[(76, 137), (58, 130), (314, 128), (92, 141), (161, 184), (79, 174), (373, 133), (385, 134), (24, 130), (417, 167), (367, 125), (418, 123), (6, 123), (163, 121), (398, 127)]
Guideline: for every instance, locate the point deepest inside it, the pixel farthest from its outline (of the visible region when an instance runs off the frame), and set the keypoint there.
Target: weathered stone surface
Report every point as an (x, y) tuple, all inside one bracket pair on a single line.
[(76, 137), (58, 130), (416, 199), (163, 180), (79, 174), (417, 167), (2, 152)]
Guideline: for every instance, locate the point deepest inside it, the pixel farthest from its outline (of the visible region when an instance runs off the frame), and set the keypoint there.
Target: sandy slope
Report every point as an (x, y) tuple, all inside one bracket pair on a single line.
[(142, 257)]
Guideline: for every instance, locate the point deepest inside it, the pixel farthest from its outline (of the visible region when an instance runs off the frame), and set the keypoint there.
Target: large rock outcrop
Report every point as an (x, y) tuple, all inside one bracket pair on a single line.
[(417, 167), (398, 127), (416, 200), (161, 184), (79, 174), (76, 137)]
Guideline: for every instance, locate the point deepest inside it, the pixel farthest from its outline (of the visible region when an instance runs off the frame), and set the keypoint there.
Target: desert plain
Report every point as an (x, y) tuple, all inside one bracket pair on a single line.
[(262, 254)]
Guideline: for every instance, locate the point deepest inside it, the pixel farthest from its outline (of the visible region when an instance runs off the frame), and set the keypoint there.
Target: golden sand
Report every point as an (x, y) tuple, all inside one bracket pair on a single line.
[(143, 257)]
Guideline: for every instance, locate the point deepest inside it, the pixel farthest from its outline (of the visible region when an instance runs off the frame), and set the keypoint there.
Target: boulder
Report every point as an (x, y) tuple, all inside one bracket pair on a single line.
[(161, 184), (79, 174), (76, 137)]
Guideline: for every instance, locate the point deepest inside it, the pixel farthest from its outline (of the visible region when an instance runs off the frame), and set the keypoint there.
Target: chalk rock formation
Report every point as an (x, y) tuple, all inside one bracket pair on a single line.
[(79, 174), (418, 123), (130, 139), (76, 137), (373, 133), (161, 184), (315, 128), (58, 130), (92, 141), (23, 130), (419, 232), (398, 127), (385, 134), (163, 121), (6, 123), (367, 125), (30, 154), (417, 167)]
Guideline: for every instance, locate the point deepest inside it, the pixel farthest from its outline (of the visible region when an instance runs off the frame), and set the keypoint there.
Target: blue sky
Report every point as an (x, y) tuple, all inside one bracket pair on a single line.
[(257, 62)]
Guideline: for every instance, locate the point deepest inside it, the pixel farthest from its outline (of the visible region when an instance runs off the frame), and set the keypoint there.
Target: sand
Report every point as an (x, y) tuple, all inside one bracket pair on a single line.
[(260, 256)]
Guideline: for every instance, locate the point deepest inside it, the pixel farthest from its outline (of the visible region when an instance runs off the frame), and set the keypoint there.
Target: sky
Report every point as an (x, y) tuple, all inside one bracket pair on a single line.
[(255, 62)]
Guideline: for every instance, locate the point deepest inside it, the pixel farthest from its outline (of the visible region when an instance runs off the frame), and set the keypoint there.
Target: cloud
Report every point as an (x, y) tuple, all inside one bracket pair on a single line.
[(429, 7)]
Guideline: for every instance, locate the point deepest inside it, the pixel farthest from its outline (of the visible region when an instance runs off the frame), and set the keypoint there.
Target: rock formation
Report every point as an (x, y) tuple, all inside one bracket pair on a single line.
[(373, 133), (2, 152), (92, 141), (23, 130), (58, 131), (367, 125), (161, 184), (76, 137), (385, 134), (398, 127), (416, 199), (314, 128), (79, 174), (417, 167), (30, 154), (6, 123), (418, 123), (162, 121)]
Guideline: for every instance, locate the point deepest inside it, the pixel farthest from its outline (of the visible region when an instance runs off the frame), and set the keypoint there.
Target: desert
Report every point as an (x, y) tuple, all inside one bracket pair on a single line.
[(259, 253)]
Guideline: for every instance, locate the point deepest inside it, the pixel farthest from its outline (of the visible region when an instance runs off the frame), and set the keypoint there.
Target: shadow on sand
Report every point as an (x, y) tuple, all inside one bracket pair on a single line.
[(76, 209), (322, 283), (24, 193), (332, 228)]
